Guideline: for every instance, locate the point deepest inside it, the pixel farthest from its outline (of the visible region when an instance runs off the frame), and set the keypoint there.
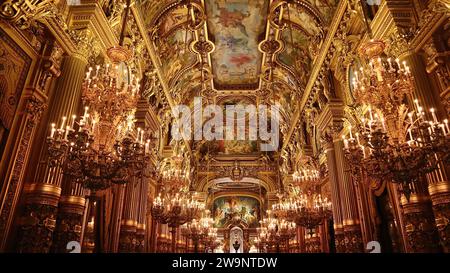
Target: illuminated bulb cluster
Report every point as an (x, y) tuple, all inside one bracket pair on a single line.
[(305, 175)]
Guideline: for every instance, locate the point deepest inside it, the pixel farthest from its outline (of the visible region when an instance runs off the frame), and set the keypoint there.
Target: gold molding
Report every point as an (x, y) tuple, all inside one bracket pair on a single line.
[(43, 188), (332, 29)]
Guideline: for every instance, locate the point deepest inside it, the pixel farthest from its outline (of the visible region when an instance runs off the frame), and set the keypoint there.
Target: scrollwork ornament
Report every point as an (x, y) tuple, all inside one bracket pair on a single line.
[(34, 109), (24, 13)]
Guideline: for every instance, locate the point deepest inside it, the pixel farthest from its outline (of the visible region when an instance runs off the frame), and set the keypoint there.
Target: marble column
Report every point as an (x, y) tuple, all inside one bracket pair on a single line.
[(43, 194)]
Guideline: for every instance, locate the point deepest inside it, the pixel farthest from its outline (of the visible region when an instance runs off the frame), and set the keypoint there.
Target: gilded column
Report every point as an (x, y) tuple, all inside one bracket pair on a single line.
[(33, 102), (32, 111), (43, 194), (438, 182), (142, 209), (439, 189), (419, 222), (128, 224), (324, 237), (352, 227), (70, 216), (335, 194), (301, 239)]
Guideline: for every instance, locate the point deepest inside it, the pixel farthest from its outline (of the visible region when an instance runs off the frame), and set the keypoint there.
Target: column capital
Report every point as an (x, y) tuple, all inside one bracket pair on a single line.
[(331, 116), (87, 44)]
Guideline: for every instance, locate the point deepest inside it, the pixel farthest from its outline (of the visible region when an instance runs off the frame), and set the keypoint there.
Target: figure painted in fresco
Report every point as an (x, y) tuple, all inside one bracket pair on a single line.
[(236, 26), (232, 18), (229, 208)]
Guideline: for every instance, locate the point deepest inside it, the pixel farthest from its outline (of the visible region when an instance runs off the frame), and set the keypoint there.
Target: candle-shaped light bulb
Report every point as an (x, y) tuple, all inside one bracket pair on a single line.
[(350, 130), (73, 121), (416, 103), (345, 142), (86, 108), (383, 124), (63, 122), (138, 132), (410, 115), (446, 125), (67, 132), (434, 115), (52, 132), (370, 113)]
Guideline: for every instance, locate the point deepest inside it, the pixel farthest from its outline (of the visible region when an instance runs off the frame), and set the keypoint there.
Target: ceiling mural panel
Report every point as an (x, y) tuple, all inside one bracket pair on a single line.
[(172, 43), (296, 54), (235, 26)]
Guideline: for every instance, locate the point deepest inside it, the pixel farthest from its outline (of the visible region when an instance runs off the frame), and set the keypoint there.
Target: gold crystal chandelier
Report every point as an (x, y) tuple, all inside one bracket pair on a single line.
[(305, 175), (111, 92), (201, 231), (197, 231), (102, 147), (176, 210), (274, 232), (307, 209), (391, 140)]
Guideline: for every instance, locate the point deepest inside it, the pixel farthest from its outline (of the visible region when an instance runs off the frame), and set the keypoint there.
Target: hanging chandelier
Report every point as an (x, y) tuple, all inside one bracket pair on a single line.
[(390, 141), (211, 241), (198, 231), (308, 209), (275, 231), (305, 175), (175, 210), (102, 147), (74, 149)]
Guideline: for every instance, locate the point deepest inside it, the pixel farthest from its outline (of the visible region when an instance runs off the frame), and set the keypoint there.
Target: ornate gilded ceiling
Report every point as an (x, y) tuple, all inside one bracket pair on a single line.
[(236, 28), (253, 51), (265, 47)]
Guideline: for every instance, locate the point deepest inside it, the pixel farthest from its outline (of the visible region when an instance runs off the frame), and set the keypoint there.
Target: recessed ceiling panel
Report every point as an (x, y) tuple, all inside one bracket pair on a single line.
[(236, 28)]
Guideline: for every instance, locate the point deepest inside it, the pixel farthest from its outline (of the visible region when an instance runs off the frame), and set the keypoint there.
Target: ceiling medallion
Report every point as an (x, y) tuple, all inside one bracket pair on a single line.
[(203, 47), (270, 46)]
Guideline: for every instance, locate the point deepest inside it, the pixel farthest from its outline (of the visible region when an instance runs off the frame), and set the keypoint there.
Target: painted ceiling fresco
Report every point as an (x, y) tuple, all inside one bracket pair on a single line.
[(236, 26), (304, 36), (172, 43)]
